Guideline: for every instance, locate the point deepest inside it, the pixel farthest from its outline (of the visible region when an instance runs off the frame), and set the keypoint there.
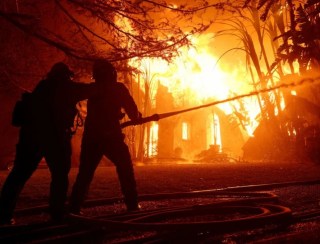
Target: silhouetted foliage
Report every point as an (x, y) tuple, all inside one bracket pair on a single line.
[(113, 29), (302, 38)]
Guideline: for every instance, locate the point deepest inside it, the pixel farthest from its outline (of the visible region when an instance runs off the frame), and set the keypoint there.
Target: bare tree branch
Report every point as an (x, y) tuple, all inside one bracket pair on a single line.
[(116, 30)]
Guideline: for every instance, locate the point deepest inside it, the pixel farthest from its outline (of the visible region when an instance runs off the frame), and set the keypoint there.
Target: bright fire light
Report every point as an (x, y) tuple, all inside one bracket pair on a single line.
[(197, 76), (215, 136), (152, 146)]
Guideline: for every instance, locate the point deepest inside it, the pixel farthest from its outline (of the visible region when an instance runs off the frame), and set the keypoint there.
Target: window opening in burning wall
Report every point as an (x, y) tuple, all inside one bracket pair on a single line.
[(185, 131), (215, 132), (153, 142)]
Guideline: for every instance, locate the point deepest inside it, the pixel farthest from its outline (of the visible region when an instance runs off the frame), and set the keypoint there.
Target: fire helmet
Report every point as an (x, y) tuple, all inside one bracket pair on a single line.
[(60, 70), (103, 70)]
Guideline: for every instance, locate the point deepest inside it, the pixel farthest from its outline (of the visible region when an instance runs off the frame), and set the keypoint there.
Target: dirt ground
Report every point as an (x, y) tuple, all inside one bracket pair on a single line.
[(165, 176), (168, 177)]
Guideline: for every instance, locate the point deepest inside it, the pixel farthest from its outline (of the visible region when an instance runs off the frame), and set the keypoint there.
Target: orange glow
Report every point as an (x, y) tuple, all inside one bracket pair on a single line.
[(153, 144), (214, 131), (185, 131), (197, 75)]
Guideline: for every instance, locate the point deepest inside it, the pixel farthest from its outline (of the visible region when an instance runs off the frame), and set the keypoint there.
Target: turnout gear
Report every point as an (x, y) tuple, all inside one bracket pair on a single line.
[(103, 137), (51, 112)]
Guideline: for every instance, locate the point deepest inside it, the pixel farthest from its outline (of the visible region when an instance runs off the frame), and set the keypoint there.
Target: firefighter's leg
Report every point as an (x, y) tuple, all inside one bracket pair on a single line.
[(90, 157), (119, 154), (58, 157), (26, 161)]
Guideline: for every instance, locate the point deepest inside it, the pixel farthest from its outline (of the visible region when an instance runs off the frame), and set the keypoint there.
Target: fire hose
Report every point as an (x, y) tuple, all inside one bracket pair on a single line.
[(245, 210), (156, 117), (259, 209), (220, 211)]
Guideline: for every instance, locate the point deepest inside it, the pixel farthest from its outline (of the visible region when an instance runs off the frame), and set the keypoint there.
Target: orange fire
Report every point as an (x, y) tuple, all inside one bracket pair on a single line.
[(197, 75)]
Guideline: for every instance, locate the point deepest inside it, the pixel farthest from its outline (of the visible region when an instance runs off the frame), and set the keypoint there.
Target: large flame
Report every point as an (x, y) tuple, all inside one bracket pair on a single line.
[(198, 75)]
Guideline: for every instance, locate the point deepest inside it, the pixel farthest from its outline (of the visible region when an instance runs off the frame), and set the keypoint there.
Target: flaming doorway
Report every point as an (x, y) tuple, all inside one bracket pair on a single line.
[(214, 133)]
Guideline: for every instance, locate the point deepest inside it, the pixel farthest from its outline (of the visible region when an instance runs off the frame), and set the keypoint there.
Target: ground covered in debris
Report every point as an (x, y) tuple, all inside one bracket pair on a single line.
[(175, 177), (167, 177)]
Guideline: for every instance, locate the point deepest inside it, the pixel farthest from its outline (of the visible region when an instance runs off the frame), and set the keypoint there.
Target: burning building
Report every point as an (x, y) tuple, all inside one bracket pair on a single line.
[(185, 135)]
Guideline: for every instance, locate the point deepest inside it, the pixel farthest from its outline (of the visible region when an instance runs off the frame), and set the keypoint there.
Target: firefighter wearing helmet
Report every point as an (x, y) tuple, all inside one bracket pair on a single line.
[(45, 133), (103, 137)]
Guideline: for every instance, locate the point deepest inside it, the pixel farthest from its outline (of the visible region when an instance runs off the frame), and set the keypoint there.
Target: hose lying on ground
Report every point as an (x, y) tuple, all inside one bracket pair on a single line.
[(220, 211)]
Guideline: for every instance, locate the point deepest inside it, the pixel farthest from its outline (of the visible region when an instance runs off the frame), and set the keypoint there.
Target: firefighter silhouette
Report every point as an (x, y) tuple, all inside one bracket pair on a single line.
[(45, 133), (103, 137)]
